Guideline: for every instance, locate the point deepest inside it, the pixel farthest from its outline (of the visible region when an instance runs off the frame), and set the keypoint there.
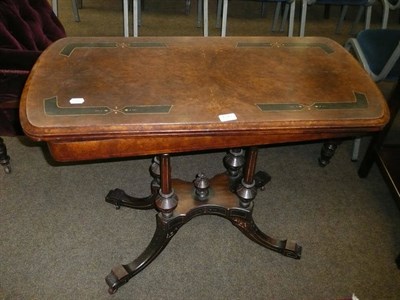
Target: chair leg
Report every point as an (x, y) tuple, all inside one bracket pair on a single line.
[(224, 17), (303, 18), (356, 149), (385, 14), (54, 5), (4, 158), (205, 17), (187, 7), (379, 137), (291, 18), (126, 17), (360, 12), (343, 13), (75, 10), (263, 9), (276, 16), (284, 17), (135, 12), (218, 24), (199, 13)]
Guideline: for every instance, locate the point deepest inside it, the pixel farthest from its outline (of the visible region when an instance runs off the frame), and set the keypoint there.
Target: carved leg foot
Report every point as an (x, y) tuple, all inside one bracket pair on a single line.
[(246, 225), (398, 262), (123, 273), (261, 179), (4, 158), (119, 198)]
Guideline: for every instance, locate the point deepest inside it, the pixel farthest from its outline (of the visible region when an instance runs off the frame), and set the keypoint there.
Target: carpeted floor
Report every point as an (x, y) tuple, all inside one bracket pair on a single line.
[(59, 238)]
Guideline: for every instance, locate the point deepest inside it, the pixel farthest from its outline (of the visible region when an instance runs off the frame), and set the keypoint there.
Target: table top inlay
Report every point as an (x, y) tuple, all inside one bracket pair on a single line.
[(180, 86)]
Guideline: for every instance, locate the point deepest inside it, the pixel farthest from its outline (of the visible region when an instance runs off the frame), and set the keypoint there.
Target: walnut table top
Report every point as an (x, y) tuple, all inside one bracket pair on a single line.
[(106, 97)]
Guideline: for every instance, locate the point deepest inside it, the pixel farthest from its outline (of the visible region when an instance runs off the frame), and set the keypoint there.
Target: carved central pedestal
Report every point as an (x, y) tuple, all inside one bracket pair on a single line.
[(229, 195)]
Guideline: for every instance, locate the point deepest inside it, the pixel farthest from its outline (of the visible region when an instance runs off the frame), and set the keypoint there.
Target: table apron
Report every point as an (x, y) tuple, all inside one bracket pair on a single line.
[(65, 151)]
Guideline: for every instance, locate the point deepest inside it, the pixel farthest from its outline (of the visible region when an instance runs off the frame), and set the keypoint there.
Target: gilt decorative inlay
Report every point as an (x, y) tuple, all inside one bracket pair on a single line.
[(52, 108), (69, 49), (322, 46), (361, 101)]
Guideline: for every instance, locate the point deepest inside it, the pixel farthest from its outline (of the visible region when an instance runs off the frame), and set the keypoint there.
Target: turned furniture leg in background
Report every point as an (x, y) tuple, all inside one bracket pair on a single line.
[(4, 158), (327, 152)]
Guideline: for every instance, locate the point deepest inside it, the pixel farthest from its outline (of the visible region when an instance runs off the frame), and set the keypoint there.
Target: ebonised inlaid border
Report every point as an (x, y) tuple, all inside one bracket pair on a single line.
[(52, 108)]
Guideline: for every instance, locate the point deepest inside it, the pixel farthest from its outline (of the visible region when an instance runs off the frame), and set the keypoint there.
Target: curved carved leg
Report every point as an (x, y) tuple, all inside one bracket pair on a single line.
[(247, 190), (398, 262), (246, 225), (4, 158), (243, 219), (119, 198), (123, 273)]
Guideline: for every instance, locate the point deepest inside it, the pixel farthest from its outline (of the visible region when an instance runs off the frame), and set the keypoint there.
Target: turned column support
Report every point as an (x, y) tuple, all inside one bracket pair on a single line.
[(167, 200), (247, 189)]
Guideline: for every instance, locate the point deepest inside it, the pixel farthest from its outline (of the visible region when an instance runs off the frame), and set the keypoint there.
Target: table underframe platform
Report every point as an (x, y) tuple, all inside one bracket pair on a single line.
[(229, 195)]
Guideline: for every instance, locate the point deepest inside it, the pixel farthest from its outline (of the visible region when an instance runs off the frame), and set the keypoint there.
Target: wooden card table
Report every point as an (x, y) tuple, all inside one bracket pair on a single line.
[(101, 98)]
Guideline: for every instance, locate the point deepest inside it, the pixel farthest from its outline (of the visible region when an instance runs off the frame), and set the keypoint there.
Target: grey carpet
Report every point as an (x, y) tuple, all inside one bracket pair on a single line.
[(59, 238)]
